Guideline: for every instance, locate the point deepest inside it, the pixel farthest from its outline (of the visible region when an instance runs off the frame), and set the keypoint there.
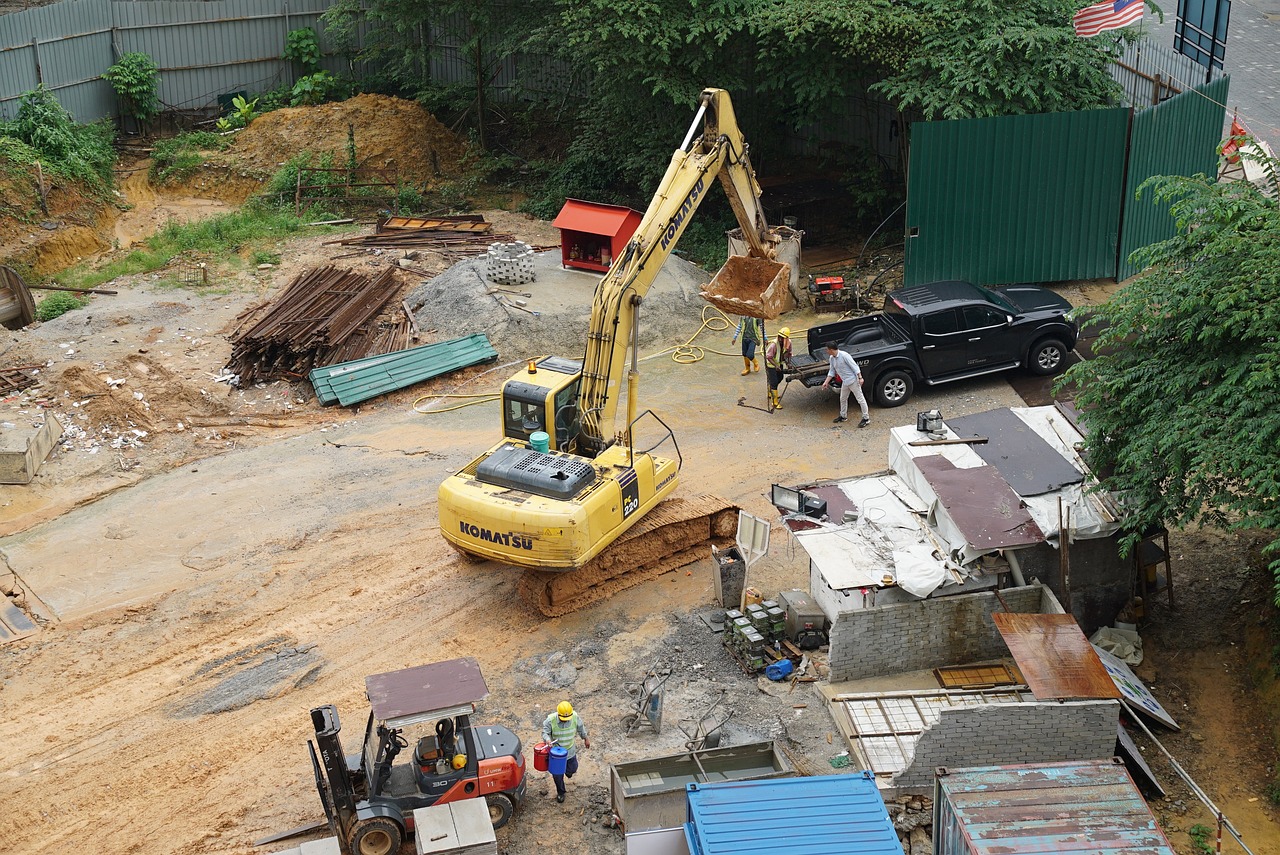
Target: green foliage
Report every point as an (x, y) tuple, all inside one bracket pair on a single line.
[(283, 185), (300, 46), (990, 58), (264, 256), (217, 237), (178, 158), (1272, 792), (1201, 838), (315, 89), (136, 82), (274, 99), (77, 152), (1181, 404), (242, 113), (57, 304), (409, 201)]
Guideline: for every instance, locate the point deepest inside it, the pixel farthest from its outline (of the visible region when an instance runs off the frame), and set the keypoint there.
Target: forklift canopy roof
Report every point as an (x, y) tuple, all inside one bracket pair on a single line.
[(412, 695)]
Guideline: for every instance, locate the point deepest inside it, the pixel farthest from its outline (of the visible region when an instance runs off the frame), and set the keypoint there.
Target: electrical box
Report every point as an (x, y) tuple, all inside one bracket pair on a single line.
[(802, 612)]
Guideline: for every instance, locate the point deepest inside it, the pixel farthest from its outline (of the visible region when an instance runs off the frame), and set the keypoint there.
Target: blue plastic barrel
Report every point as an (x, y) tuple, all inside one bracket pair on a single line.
[(557, 760), (540, 441), (779, 670)]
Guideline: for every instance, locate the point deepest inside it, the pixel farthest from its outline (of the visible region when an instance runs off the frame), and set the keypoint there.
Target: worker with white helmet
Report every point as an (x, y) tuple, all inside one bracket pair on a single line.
[(563, 727), (777, 356)]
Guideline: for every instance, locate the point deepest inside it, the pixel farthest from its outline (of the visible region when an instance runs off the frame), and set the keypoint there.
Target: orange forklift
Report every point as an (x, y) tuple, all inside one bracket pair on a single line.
[(369, 798)]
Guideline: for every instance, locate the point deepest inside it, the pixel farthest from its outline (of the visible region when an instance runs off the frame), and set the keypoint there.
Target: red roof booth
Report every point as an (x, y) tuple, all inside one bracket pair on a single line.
[(592, 234)]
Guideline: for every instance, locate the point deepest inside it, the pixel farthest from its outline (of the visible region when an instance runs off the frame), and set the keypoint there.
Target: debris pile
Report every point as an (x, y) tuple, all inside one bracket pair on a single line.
[(325, 315), (453, 237), (17, 378)]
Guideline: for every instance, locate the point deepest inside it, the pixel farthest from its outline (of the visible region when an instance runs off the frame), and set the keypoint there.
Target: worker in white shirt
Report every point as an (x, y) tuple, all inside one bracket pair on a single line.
[(845, 367)]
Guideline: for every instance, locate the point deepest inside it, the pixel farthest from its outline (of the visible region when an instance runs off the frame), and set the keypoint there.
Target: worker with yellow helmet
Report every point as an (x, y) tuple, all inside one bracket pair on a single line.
[(563, 727), (777, 356)]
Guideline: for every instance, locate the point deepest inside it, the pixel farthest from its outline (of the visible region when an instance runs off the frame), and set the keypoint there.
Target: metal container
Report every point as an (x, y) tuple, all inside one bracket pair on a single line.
[(1043, 807), (801, 611), (650, 794), (829, 814)]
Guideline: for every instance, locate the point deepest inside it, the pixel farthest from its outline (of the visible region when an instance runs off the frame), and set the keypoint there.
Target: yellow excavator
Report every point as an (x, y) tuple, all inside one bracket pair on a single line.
[(564, 496)]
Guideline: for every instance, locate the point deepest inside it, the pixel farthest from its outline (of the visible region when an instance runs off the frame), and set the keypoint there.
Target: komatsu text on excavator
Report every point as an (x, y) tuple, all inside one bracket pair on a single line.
[(554, 511)]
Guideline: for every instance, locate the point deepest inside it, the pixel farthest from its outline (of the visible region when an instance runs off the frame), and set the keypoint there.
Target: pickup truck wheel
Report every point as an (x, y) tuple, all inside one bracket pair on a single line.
[(893, 388), (1047, 357)]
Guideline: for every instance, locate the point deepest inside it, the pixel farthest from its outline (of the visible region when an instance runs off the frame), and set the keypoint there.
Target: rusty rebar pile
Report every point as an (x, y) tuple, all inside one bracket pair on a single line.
[(325, 315)]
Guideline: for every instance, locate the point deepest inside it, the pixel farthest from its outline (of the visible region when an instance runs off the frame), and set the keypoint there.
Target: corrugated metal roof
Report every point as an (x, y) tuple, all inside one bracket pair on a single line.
[(359, 380), (831, 814), (1089, 807)]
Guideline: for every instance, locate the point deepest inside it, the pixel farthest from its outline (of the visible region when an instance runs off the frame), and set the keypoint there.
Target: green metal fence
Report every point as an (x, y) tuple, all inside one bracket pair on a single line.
[(1047, 197), (1178, 137)]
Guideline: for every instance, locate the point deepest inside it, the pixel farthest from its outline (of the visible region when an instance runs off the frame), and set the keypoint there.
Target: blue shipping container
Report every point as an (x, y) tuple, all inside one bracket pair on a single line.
[(829, 814)]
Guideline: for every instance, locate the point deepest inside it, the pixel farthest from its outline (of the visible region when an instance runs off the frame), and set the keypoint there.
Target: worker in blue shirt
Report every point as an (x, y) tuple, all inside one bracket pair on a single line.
[(845, 367)]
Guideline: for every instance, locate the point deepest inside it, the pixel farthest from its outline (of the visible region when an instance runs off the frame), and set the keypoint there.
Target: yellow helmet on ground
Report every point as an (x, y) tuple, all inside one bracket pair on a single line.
[(459, 760), (785, 332), (565, 710)]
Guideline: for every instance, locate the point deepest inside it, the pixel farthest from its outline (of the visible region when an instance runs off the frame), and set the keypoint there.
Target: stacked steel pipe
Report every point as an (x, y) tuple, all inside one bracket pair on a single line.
[(453, 237), (325, 315)]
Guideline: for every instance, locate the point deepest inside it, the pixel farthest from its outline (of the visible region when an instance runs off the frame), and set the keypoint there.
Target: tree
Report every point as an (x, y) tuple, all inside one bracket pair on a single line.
[(136, 81), (989, 58), (1181, 406)]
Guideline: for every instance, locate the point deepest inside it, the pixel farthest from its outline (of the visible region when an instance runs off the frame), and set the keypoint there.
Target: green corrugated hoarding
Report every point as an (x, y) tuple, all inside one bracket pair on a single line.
[(1032, 198), (1178, 137), (359, 380)]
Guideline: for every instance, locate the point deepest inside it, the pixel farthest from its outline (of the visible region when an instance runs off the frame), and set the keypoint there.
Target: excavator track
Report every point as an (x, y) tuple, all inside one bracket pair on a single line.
[(675, 533)]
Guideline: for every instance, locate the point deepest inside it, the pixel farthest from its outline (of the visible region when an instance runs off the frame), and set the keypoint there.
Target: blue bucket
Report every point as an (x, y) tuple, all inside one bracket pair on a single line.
[(557, 760), (540, 440)]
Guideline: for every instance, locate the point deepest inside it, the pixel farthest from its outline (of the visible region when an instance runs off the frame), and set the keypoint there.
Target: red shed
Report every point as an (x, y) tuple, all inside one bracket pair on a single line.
[(592, 234)]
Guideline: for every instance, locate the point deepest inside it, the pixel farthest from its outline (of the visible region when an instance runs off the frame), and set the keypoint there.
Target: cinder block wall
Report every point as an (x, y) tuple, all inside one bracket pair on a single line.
[(927, 633), (1002, 734)]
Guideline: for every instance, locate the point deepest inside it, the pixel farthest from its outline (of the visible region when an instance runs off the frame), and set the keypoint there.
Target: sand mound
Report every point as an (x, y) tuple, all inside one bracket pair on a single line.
[(391, 133)]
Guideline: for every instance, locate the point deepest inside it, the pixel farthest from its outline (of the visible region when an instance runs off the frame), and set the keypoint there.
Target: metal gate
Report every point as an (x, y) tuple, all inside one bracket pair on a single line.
[(1178, 137), (1032, 198)]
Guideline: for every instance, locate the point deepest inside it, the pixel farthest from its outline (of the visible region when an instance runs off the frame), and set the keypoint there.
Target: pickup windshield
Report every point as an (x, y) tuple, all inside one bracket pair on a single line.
[(999, 299)]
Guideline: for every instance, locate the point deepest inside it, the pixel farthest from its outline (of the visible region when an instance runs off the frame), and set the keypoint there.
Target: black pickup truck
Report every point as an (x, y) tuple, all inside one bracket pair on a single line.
[(945, 331)]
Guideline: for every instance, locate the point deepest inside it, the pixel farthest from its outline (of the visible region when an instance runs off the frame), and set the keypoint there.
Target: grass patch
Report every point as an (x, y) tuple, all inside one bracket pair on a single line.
[(178, 158), (58, 304), (81, 153), (220, 236), (1272, 792), (264, 256), (1201, 838)]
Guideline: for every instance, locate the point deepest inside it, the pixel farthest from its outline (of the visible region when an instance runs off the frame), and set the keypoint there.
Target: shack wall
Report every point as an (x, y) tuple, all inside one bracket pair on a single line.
[(1101, 581), (891, 639), (1004, 734)]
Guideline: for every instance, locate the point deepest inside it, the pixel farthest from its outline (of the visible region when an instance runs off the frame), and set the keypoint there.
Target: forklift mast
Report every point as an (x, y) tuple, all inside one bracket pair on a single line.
[(336, 790)]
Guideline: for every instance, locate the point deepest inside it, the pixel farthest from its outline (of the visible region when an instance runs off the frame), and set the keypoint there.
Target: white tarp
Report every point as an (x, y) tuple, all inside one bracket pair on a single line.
[(888, 543)]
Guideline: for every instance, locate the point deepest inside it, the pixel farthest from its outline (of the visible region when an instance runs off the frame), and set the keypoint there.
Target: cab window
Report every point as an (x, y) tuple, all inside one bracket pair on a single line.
[(566, 414), (940, 323), (980, 317), (524, 418)]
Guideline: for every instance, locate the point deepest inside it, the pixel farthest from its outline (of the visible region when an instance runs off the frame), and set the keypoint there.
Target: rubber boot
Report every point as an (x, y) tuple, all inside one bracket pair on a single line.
[(746, 366), (777, 401), (755, 365)]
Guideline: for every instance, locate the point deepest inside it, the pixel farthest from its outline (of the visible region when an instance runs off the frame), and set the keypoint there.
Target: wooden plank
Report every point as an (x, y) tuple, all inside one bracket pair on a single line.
[(1053, 655)]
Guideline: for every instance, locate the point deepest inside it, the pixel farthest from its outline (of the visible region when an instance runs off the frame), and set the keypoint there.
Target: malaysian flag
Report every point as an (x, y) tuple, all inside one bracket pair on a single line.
[(1109, 15)]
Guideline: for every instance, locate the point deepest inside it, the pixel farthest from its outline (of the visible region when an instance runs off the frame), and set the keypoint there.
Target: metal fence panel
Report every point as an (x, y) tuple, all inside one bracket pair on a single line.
[(66, 46), (1178, 137), (1031, 198)]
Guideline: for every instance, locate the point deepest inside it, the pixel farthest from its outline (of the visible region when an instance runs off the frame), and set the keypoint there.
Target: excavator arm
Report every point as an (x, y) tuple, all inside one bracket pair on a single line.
[(719, 150)]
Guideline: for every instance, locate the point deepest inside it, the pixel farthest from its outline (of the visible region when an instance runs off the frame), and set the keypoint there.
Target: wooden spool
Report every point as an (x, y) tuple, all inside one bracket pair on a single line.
[(17, 308)]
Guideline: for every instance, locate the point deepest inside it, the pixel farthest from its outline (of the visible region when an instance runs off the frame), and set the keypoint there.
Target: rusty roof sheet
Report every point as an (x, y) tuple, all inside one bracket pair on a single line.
[(984, 507), (1090, 806), (425, 689), (1031, 466), (1053, 655)]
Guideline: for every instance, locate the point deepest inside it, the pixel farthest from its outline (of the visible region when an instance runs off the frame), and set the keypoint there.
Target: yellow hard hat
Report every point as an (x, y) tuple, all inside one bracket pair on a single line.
[(565, 710), (785, 331), (459, 760)]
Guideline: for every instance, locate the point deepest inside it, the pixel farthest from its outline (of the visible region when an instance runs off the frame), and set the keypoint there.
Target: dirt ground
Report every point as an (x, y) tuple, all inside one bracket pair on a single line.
[(251, 555)]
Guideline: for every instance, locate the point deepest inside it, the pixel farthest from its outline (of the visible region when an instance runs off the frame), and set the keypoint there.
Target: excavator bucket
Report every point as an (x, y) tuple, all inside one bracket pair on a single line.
[(746, 285)]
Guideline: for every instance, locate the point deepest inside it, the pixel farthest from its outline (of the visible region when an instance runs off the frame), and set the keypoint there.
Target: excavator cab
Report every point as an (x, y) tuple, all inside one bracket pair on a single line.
[(543, 397)]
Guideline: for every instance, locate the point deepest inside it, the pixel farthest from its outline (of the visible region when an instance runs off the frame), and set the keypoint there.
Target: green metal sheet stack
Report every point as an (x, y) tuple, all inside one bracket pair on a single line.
[(349, 383)]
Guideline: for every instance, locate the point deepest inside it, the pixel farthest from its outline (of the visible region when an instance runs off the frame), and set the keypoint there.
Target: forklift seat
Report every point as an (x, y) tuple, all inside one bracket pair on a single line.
[(427, 752)]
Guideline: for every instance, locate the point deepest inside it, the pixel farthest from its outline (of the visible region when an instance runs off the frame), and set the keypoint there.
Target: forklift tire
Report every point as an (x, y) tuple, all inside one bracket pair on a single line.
[(375, 836), (500, 808)]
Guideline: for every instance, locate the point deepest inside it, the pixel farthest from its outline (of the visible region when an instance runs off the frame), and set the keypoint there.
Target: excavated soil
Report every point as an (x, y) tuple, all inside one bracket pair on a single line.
[(390, 133)]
